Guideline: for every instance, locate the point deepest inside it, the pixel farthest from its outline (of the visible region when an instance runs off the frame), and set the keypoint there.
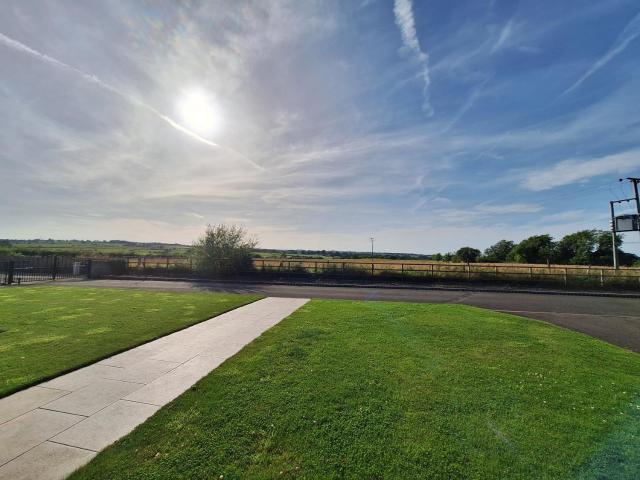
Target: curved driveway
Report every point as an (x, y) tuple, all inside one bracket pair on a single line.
[(615, 320)]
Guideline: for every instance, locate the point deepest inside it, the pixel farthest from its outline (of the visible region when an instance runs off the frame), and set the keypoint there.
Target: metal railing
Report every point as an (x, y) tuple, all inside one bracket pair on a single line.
[(19, 270)]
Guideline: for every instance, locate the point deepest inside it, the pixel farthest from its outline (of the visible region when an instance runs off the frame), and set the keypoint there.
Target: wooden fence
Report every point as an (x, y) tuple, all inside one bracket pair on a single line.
[(407, 271)]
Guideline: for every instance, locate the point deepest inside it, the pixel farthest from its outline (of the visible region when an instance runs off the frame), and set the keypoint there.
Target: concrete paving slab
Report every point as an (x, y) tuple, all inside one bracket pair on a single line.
[(107, 426), (179, 353), (168, 387), (47, 461), (25, 432), (22, 402), (144, 371), (128, 358), (93, 397), (80, 378)]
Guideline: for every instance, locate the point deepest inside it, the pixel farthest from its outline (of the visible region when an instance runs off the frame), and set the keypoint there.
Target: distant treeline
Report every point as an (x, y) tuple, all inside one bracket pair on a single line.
[(320, 254), (586, 247)]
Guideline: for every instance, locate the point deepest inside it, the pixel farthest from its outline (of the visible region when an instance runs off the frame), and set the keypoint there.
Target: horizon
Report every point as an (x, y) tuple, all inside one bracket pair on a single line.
[(427, 125)]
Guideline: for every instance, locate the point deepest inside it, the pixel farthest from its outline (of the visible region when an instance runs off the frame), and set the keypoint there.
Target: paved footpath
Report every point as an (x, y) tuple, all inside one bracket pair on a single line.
[(50, 430)]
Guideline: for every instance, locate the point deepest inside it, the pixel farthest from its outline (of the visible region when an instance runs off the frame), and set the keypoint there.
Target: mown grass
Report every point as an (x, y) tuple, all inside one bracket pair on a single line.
[(45, 331), (390, 390)]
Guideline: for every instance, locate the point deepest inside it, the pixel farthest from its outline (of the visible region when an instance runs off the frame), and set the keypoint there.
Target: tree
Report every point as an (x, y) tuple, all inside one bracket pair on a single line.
[(224, 250), (577, 248), (603, 254), (536, 249), (468, 254), (498, 252)]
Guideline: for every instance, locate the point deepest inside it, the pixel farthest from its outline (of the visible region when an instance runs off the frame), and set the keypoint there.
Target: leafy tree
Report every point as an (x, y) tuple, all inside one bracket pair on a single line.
[(437, 257), (499, 251), (603, 254), (535, 249), (223, 250), (447, 257), (577, 248), (468, 254)]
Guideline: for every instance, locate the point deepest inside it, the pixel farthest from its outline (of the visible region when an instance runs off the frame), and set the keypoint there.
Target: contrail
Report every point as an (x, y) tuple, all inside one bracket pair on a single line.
[(21, 47), (628, 35)]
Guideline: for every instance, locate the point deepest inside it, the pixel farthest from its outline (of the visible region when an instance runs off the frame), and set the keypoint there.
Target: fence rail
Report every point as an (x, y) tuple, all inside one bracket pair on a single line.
[(569, 276), (35, 269)]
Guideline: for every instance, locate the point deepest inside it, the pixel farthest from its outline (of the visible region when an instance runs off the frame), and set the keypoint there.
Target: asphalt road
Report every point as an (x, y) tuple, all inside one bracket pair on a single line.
[(615, 320)]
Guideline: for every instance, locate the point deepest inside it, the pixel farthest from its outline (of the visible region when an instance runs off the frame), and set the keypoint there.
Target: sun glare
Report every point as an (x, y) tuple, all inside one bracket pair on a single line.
[(199, 112)]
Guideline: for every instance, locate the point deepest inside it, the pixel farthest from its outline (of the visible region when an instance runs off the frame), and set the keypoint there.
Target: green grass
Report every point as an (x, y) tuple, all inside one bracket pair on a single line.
[(45, 331), (390, 390)]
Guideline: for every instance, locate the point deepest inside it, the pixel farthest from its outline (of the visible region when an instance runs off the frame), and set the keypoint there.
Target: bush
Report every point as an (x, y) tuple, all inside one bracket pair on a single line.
[(224, 250)]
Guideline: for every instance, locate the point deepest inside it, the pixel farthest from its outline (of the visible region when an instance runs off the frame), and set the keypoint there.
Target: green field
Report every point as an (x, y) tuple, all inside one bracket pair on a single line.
[(45, 331), (92, 249), (390, 390)]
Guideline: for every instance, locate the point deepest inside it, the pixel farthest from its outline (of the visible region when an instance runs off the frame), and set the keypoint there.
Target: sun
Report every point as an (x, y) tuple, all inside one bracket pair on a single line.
[(199, 111)]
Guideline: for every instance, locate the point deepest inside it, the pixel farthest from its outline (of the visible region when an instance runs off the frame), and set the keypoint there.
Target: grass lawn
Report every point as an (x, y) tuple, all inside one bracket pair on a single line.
[(389, 390), (45, 331)]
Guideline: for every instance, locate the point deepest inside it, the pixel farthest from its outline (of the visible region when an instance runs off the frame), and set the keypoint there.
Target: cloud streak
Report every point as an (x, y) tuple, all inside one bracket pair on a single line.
[(21, 47), (505, 33), (403, 11), (628, 35), (569, 171)]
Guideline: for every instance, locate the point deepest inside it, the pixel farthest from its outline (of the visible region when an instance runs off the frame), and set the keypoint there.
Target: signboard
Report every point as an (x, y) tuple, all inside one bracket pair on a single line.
[(627, 223)]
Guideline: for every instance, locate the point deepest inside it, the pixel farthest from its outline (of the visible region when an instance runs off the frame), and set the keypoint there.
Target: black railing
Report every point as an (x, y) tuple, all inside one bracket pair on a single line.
[(19, 270)]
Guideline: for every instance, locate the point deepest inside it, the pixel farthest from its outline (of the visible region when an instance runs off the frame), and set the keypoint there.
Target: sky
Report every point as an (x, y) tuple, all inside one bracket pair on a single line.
[(428, 125)]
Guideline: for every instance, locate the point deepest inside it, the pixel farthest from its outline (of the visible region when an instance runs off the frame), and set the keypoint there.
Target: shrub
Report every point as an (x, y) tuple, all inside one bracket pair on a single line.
[(224, 250)]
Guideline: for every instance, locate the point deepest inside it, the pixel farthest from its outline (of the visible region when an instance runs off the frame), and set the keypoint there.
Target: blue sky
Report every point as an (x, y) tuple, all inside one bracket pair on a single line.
[(429, 125)]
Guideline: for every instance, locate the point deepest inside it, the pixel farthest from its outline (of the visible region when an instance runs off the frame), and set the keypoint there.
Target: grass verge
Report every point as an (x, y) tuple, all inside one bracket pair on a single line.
[(389, 390), (45, 331)]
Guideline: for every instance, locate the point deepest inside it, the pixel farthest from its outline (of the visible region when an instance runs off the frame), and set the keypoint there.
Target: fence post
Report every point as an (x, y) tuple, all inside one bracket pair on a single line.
[(316, 268), (10, 268), (602, 277), (54, 267), (565, 276), (531, 273), (167, 265), (89, 268), (402, 268)]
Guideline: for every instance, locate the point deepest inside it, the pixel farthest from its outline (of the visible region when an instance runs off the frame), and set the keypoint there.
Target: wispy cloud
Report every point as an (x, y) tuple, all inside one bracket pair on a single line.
[(21, 47), (505, 33), (577, 170), (628, 35), (403, 11)]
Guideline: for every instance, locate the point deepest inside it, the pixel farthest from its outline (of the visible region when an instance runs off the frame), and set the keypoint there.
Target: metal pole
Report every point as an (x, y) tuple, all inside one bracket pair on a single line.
[(635, 181), (371, 255), (635, 192), (613, 236)]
